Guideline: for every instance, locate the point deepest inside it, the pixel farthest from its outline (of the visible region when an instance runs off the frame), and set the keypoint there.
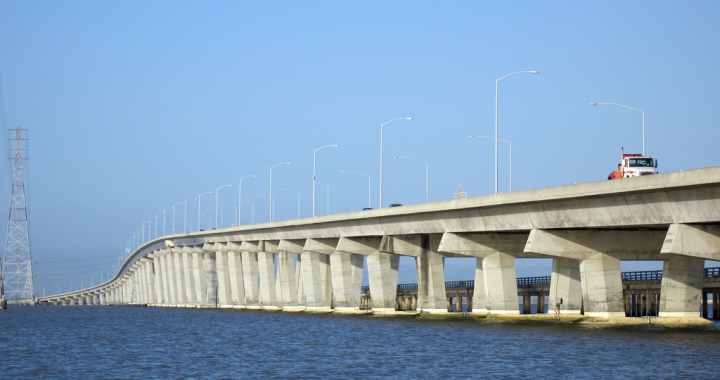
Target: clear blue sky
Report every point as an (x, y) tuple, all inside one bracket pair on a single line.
[(134, 106)]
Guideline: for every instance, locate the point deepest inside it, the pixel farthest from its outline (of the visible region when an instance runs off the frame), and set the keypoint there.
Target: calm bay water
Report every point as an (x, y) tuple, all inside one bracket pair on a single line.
[(133, 342)]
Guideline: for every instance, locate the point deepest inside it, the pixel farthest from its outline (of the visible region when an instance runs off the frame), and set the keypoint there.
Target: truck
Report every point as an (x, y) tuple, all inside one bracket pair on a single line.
[(634, 165)]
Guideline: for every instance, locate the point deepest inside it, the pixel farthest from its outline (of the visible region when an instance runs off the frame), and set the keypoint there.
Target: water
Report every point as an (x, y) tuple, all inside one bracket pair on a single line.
[(134, 342)]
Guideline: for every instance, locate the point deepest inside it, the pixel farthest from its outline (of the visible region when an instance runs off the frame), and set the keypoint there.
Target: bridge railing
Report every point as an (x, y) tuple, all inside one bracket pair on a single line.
[(642, 276), (545, 280)]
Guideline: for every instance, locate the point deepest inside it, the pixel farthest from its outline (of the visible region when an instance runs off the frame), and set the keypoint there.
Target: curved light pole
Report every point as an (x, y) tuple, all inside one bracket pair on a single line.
[(165, 219), (314, 154), (427, 178), (381, 154), (240, 198), (496, 121), (236, 210), (253, 211), (635, 109), (271, 203), (199, 197), (185, 210), (368, 175), (156, 224), (490, 137), (298, 199), (217, 193), (173, 207)]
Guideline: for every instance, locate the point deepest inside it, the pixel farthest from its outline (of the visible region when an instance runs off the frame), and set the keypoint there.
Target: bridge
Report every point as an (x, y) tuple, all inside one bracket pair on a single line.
[(301, 265)]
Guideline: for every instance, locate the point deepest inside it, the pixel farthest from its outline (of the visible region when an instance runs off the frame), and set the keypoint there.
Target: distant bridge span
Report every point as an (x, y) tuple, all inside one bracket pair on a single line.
[(587, 229)]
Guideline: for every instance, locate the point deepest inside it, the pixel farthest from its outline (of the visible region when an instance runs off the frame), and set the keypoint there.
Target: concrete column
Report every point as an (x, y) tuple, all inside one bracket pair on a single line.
[(383, 277), (159, 297), (190, 292), (565, 283), (286, 280), (500, 284), (96, 299), (479, 301), (149, 282), (235, 269), (602, 286), (681, 290), (199, 276), (312, 281), (162, 271), (250, 278), (179, 278), (223, 274), (169, 267), (430, 267), (325, 278), (266, 266), (302, 300), (210, 278), (346, 269)]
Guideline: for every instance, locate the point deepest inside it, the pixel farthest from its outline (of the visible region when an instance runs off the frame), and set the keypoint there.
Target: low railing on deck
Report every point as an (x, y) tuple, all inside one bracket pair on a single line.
[(642, 276)]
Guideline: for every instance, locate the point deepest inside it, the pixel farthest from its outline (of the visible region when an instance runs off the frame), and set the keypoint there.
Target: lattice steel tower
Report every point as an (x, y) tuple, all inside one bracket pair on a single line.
[(17, 273)]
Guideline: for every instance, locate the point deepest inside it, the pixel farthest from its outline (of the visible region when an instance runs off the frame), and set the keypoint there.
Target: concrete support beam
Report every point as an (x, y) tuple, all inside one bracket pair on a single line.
[(189, 276), (169, 266), (430, 267), (479, 301), (286, 280), (565, 283), (266, 266), (602, 286), (250, 278), (681, 288), (179, 277), (383, 277), (347, 271), (157, 279), (312, 281), (223, 273), (199, 277), (501, 294), (209, 265), (302, 300), (235, 269)]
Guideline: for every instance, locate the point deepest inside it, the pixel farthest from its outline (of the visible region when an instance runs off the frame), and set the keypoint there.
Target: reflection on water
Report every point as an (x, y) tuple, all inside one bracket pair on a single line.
[(133, 342)]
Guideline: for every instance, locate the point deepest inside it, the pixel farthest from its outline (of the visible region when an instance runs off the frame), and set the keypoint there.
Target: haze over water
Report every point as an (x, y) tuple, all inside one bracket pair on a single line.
[(134, 342)]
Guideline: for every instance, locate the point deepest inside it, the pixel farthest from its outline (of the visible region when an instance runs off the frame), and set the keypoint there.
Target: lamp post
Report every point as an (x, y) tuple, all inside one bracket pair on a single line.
[(173, 207), (199, 197), (427, 181), (496, 121), (240, 198), (271, 200), (253, 211), (156, 224), (271, 203), (635, 109), (217, 193), (327, 193), (490, 137), (185, 210), (381, 154), (314, 154), (165, 219), (367, 175), (236, 210), (298, 199)]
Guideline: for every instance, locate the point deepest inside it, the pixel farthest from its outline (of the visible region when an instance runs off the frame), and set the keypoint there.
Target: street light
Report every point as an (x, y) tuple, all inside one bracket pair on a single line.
[(217, 193), (328, 195), (199, 197), (314, 154), (271, 200), (156, 224), (240, 199), (164, 220), (298, 199), (253, 211), (496, 121), (427, 182), (272, 214), (368, 175), (185, 211), (490, 137), (635, 109), (381, 154), (173, 207), (236, 210)]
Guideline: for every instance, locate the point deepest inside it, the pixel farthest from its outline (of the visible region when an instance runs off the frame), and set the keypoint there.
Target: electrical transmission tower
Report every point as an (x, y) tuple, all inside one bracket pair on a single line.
[(17, 273)]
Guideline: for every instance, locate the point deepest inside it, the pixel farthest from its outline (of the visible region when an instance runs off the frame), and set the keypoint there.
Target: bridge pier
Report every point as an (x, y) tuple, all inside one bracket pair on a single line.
[(250, 279), (235, 270), (179, 277), (189, 276), (565, 284), (266, 265), (210, 285), (199, 277), (223, 274)]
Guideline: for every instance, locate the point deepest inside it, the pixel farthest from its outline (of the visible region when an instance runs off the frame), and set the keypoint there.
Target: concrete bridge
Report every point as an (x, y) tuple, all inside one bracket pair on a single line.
[(587, 229)]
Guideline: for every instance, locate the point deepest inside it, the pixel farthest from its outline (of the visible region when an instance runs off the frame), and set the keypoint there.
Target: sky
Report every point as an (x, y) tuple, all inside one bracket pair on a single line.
[(135, 106)]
